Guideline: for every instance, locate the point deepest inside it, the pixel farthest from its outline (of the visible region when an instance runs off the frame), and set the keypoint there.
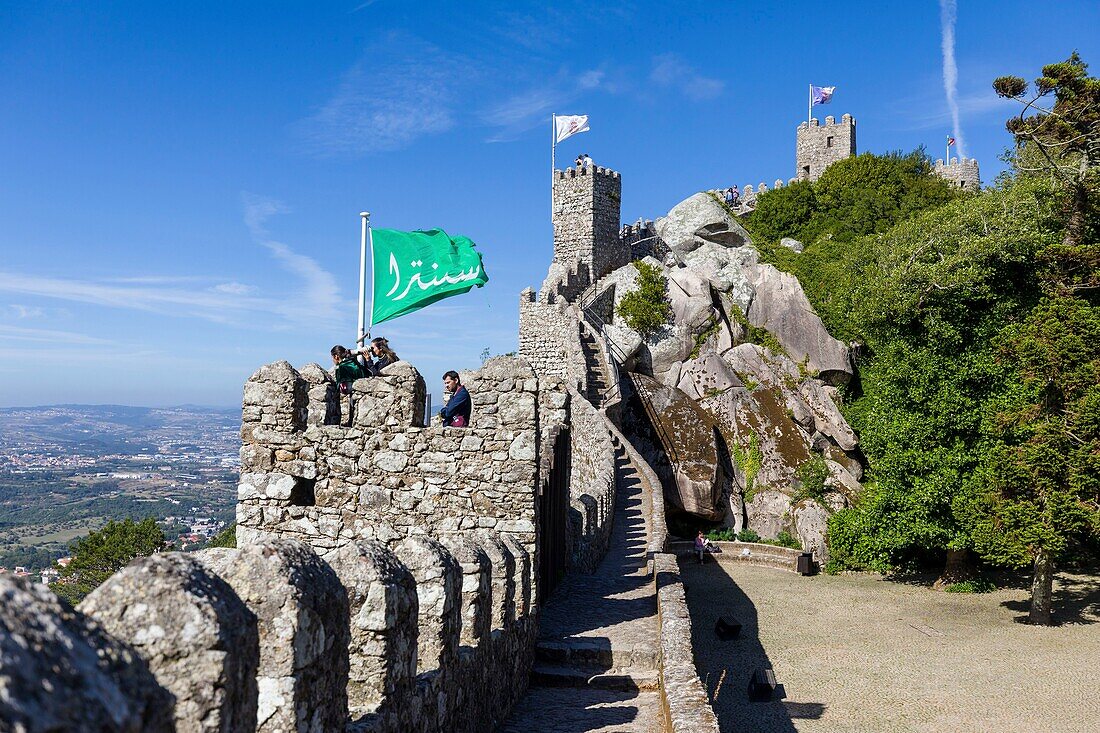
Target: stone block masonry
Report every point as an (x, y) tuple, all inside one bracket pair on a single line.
[(819, 146), (586, 219), (961, 173)]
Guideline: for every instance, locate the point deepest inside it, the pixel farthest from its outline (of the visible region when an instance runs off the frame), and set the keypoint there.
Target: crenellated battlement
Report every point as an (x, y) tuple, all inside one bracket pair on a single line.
[(818, 146), (962, 173), (585, 212), (583, 171)]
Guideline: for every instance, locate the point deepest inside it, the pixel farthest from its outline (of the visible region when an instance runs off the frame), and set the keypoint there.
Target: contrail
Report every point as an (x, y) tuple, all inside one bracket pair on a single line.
[(950, 71)]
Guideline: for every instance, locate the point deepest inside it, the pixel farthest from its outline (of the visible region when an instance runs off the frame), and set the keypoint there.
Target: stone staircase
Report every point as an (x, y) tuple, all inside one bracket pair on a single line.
[(596, 373), (596, 663)]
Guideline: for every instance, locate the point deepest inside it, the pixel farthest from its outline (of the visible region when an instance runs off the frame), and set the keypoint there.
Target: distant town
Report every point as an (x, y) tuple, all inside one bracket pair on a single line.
[(67, 470)]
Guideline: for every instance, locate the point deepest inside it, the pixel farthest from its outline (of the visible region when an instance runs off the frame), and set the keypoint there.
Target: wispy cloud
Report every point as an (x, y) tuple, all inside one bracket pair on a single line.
[(950, 70), (671, 72), (46, 335), (401, 90), (527, 109), (320, 295), (20, 312), (315, 302), (926, 112)]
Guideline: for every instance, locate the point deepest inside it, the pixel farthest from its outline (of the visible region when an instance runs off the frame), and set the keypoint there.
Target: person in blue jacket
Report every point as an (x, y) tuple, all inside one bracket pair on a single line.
[(456, 413)]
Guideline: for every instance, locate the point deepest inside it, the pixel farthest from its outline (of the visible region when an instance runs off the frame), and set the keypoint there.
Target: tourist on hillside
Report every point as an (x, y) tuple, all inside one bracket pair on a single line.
[(733, 196), (383, 356), (456, 413)]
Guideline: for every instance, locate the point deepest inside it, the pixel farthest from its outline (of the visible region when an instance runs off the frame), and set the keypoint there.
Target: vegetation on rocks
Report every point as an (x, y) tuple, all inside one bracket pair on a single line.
[(104, 552), (646, 310)]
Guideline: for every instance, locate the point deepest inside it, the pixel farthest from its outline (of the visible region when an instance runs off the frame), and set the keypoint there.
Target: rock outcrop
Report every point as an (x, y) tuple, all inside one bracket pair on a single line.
[(688, 436), (61, 672), (775, 403)]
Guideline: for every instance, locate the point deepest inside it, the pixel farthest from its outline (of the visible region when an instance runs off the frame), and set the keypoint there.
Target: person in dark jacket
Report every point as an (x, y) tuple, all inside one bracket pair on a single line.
[(456, 413), (383, 356)]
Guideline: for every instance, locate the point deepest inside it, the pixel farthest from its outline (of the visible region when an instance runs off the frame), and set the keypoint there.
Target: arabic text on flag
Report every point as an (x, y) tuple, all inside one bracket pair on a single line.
[(415, 269)]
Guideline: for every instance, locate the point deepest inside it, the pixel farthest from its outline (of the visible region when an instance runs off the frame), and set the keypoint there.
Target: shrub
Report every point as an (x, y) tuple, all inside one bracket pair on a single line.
[(725, 534), (813, 474), (747, 535), (647, 309), (786, 539)]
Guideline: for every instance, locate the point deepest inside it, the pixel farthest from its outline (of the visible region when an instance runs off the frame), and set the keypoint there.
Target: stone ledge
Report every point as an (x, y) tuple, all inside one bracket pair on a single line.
[(770, 556), (683, 699)]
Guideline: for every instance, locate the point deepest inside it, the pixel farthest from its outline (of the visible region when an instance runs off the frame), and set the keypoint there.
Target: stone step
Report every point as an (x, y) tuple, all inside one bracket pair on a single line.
[(596, 654), (626, 678)]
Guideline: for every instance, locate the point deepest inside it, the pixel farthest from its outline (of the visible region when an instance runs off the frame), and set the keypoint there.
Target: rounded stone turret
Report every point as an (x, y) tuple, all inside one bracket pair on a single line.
[(961, 173)]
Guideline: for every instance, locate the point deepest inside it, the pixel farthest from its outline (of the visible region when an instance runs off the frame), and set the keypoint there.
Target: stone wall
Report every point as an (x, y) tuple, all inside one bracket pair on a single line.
[(819, 146), (961, 173), (592, 486), (549, 340), (586, 218), (443, 521)]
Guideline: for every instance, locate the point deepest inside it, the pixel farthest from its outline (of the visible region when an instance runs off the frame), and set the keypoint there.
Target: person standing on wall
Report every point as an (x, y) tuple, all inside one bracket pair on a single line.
[(456, 413), (346, 369)]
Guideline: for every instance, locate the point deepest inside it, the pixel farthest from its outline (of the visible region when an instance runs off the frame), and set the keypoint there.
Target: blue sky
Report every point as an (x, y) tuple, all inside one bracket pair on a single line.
[(180, 183)]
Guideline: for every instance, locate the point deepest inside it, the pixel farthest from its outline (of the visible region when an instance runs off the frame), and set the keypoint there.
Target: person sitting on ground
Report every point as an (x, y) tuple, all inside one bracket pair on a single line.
[(347, 368), (702, 544), (383, 356), (456, 413)]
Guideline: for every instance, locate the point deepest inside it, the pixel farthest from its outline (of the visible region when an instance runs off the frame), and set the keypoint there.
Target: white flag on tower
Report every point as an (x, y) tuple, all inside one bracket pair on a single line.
[(567, 125)]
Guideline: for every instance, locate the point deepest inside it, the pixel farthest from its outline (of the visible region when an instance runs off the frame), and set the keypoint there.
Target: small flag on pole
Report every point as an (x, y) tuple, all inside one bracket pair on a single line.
[(821, 95), (415, 269), (568, 125), (950, 140)]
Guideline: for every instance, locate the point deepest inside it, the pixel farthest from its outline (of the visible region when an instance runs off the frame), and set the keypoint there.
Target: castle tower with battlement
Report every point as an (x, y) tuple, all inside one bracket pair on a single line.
[(586, 220), (961, 173), (819, 146)]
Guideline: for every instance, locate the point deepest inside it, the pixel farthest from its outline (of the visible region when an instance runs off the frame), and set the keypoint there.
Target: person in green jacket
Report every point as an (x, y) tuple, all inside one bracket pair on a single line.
[(347, 370)]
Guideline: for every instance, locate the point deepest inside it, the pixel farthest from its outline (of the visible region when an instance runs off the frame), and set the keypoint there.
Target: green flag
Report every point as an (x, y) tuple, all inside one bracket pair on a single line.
[(415, 269)]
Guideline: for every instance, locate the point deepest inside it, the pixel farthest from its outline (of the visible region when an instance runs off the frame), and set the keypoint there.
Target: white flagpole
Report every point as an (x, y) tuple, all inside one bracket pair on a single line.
[(363, 331), (810, 106), (553, 158), (947, 160)]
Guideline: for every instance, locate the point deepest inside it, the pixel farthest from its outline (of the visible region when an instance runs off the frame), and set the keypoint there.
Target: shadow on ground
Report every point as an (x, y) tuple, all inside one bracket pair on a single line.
[(727, 666), (1076, 600)]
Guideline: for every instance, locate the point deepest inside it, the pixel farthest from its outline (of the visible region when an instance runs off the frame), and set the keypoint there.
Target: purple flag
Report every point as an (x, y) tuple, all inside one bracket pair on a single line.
[(821, 95)]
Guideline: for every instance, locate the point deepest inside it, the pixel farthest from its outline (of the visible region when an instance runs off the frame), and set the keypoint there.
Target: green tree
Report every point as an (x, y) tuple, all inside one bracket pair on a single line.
[(1043, 473), (1063, 141), (226, 538), (104, 552), (647, 309), (930, 296)]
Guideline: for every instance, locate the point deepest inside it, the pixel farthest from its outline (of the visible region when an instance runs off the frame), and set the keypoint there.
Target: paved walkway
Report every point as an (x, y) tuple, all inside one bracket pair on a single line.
[(596, 661), (857, 653)]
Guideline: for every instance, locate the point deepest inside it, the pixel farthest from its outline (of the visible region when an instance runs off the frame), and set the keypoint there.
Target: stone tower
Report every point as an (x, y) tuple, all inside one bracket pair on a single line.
[(586, 220), (962, 173), (819, 146)]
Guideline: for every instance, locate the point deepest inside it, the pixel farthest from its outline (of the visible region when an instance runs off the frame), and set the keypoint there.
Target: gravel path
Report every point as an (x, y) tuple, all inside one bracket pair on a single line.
[(859, 653)]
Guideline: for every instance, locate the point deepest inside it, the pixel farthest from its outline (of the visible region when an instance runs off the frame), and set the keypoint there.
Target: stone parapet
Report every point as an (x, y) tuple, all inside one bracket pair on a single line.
[(747, 553), (683, 698), (960, 173)]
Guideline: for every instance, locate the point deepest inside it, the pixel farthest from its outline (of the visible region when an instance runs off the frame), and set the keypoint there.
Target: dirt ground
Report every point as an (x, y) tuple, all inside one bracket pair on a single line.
[(856, 652)]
